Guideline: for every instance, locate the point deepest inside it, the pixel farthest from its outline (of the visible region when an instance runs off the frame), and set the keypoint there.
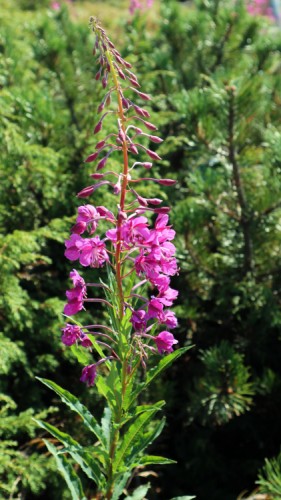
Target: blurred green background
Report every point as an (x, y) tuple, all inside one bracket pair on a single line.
[(215, 72)]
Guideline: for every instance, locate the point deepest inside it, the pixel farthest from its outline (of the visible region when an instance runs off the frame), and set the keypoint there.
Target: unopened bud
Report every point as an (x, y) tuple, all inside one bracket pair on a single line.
[(97, 176), (133, 149), (135, 83), (79, 228), (86, 192), (142, 95), (92, 157), (161, 210), (152, 154), (101, 107), (141, 111), (100, 144), (127, 64), (98, 127), (149, 125), (166, 182), (104, 80), (155, 139), (121, 74), (101, 164)]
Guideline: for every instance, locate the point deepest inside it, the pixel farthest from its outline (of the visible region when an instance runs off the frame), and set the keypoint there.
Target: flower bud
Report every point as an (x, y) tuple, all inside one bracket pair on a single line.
[(142, 95), (100, 144), (98, 127), (149, 125), (121, 74), (155, 139), (86, 192), (101, 107), (97, 176), (133, 149), (141, 111), (152, 154), (135, 83), (92, 157), (101, 164), (166, 182)]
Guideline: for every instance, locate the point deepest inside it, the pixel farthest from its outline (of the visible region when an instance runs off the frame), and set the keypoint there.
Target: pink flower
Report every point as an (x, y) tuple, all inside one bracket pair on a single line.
[(85, 341), (76, 295), (135, 231), (73, 245), (138, 320), (90, 251), (134, 5), (93, 252), (89, 374), (71, 333), (155, 308), (165, 342), (168, 296), (161, 281), (88, 215), (161, 231), (55, 5), (169, 319)]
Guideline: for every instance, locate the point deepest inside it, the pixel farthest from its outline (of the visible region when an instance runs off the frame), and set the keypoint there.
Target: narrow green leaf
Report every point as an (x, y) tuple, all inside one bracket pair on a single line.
[(139, 493), (183, 498), (75, 405), (97, 347), (154, 460), (72, 480), (129, 438), (89, 466), (120, 484), (107, 425), (164, 363), (156, 406), (141, 444), (81, 354)]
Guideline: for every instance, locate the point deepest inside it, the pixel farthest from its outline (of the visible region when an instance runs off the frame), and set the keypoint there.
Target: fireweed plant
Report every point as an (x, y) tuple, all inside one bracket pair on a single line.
[(137, 256)]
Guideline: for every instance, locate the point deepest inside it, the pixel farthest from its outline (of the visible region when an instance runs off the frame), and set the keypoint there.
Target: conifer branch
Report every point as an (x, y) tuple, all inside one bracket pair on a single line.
[(246, 217)]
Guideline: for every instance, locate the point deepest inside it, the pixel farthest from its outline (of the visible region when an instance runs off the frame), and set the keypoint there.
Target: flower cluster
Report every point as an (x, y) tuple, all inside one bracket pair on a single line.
[(131, 246), (139, 5), (264, 8)]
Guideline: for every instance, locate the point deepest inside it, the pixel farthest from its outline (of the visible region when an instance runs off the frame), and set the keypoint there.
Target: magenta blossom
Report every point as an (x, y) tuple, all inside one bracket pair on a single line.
[(169, 319), (89, 374), (93, 253), (138, 320), (90, 251), (71, 333), (88, 216), (165, 342), (76, 295)]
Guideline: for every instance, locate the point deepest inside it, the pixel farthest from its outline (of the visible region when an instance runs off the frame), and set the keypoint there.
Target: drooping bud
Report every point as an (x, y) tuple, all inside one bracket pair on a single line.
[(142, 95), (92, 157), (152, 154), (98, 127), (141, 111), (101, 164), (155, 139)]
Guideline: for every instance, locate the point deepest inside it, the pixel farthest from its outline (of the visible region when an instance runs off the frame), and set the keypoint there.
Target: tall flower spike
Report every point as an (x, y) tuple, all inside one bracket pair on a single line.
[(129, 244)]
